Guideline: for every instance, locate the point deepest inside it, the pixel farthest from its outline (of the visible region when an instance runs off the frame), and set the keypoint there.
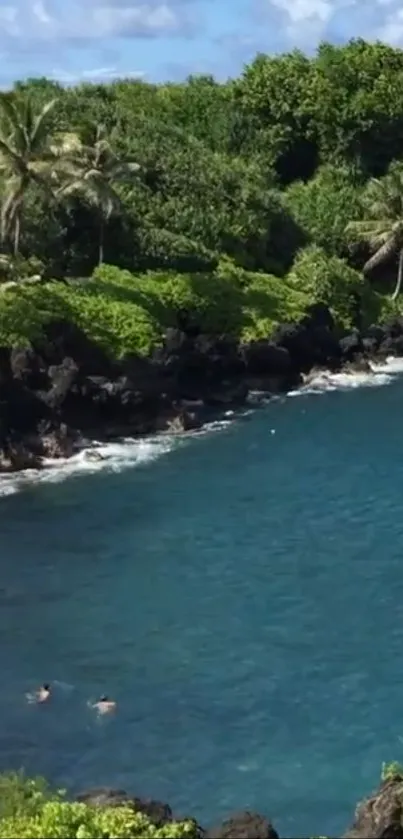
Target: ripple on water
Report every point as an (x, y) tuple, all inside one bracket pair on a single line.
[(240, 597)]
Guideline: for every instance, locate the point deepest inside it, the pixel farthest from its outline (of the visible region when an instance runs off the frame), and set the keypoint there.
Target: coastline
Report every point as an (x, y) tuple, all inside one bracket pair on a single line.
[(66, 400), (378, 815)]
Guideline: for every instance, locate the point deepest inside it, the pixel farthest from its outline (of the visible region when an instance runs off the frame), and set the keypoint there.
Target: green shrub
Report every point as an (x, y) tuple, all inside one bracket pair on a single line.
[(231, 300), (28, 809), (323, 206), (119, 325), (329, 280), (127, 313), (269, 301), (392, 770)]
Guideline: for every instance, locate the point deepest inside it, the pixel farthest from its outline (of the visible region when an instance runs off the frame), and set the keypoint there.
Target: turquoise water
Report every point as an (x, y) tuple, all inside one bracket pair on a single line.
[(241, 597)]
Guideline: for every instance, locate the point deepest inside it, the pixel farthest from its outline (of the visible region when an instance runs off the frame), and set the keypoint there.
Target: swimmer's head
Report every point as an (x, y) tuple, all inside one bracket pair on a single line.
[(46, 687), (104, 699)]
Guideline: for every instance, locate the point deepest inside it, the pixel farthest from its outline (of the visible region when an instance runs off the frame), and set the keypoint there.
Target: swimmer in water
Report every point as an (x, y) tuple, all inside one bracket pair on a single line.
[(43, 694), (104, 705)]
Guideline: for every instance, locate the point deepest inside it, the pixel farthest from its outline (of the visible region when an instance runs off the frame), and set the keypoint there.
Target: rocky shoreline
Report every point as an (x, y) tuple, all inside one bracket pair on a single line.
[(377, 817), (65, 390)]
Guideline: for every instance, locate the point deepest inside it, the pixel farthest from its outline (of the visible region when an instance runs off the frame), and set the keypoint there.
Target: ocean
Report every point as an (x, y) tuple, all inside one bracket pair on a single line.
[(239, 592)]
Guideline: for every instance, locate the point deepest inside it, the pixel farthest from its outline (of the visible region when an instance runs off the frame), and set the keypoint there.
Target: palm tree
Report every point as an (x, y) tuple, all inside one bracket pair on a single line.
[(382, 226), (25, 159), (91, 172)]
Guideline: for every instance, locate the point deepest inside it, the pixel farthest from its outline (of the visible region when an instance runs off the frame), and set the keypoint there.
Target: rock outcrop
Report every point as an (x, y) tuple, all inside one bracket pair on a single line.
[(378, 817), (65, 388), (244, 826), (381, 815)]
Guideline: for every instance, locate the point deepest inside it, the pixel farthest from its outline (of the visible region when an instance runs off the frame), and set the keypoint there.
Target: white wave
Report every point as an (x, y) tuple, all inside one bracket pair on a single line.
[(325, 381), (392, 365), (258, 397), (112, 457), (118, 456), (100, 457)]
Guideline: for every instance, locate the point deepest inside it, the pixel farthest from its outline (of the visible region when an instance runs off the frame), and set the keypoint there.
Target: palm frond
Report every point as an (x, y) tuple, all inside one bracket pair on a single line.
[(15, 161), (10, 206), (39, 125), (382, 255), (11, 125)]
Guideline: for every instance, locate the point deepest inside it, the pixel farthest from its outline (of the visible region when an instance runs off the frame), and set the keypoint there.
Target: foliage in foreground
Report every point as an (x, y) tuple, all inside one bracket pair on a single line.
[(30, 810)]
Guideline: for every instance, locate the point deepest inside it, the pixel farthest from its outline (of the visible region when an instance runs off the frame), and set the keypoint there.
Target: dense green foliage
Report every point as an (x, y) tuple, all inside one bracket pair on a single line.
[(233, 205), (30, 810)]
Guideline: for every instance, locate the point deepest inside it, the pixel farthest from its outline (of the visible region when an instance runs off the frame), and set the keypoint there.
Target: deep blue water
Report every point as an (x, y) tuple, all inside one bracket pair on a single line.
[(242, 599)]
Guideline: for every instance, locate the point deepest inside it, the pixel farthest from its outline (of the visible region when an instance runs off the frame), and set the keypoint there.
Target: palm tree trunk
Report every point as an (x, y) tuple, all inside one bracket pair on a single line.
[(17, 230), (101, 242), (398, 286)]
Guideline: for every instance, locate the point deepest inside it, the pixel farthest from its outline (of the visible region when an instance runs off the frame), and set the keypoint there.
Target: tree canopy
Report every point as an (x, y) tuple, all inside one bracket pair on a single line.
[(267, 172)]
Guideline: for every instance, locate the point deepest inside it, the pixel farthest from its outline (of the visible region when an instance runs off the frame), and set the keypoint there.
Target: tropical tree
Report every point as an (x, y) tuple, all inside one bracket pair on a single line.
[(92, 171), (26, 159), (382, 225)]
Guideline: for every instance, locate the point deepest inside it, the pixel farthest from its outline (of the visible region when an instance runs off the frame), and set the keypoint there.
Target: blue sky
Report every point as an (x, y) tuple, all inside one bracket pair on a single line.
[(78, 40)]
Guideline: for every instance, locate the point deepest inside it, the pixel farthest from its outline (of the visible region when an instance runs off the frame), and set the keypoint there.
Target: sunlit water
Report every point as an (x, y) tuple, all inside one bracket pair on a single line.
[(239, 593)]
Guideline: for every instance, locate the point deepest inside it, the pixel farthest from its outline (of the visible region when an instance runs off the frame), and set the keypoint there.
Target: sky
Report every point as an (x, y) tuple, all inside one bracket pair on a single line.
[(99, 40)]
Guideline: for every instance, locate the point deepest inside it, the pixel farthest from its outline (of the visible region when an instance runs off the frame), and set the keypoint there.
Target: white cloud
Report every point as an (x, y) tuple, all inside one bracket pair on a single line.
[(88, 20), (392, 29), (97, 74), (299, 11)]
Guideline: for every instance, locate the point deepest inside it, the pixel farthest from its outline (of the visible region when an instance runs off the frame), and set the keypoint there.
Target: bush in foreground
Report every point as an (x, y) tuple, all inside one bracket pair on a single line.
[(29, 809)]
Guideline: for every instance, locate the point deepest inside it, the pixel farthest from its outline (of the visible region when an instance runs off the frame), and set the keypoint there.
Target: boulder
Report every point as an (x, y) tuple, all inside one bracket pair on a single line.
[(28, 367), (375, 334), (358, 365), (183, 421), (244, 826), (63, 339), (351, 345), (381, 815), (319, 315), (15, 457), (308, 345), (392, 345), (62, 378), (265, 358), (6, 373), (60, 443), (227, 393), (394, 327), (196, 367), (158, 813), (21, 410)]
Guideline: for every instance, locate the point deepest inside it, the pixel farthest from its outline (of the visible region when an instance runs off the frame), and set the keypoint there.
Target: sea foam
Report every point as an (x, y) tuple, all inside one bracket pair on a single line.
[(128, 453)]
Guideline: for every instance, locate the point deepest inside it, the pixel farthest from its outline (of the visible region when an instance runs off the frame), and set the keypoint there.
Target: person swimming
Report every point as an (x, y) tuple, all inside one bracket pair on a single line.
[(43, 694), (104, 705)]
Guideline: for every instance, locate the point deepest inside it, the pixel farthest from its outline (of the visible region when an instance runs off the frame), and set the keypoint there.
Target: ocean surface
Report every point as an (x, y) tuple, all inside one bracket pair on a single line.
[(238, 592)]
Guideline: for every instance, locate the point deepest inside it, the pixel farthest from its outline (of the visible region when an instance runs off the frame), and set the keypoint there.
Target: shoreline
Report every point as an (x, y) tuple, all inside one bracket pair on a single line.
[(378, 815), (60, 401)]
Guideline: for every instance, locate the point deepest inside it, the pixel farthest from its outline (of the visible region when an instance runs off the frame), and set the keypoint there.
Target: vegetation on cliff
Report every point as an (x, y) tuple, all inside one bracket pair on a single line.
[(30, 810), (229, 207)]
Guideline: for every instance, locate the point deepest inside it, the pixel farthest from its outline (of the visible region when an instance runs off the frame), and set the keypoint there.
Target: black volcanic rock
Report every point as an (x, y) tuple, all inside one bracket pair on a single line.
[(244, 826)]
